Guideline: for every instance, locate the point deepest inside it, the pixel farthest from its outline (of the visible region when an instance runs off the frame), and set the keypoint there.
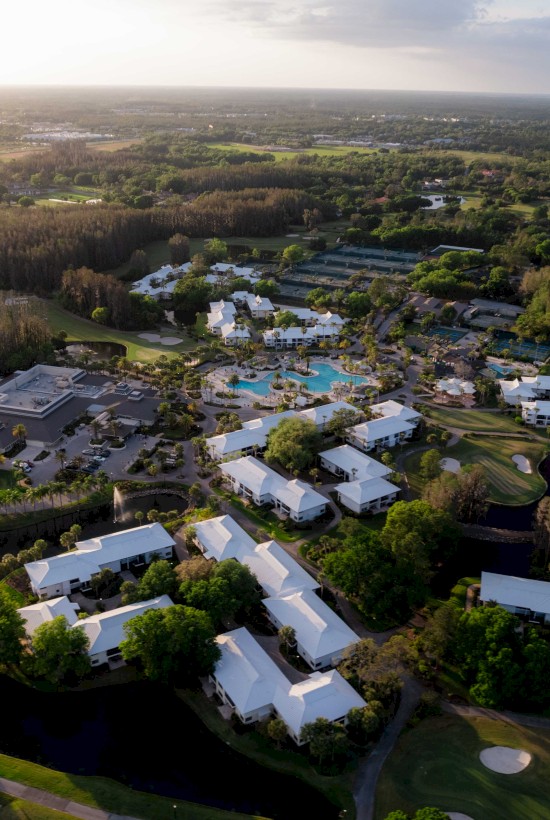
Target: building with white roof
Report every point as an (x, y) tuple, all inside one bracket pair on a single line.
[(260, 307), (321, 636), (309, 317), (526, 388), (367, 495), (105, 631), (455, 389), (220, 314), (395, 410), (225, 269), (71, 571), (249, 681), (260, 484), (380, 433), (161, 283), (277, 571), (536, 413), (350, 464), (292, 337), (44, 611), (252, 438), (521, 596), (321, 694), (221, 538)]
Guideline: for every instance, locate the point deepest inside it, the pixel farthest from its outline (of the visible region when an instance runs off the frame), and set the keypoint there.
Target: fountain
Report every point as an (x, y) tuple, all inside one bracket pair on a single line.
[(118, 506)]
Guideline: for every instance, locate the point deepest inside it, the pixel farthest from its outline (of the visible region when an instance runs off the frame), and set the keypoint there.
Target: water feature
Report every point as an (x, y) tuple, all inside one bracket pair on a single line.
[(97, 350), (142, 735), (320, 379), (440, 200)]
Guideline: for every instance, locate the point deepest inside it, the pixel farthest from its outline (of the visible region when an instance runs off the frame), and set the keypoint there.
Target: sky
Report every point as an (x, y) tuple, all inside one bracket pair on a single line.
[(440, 45)]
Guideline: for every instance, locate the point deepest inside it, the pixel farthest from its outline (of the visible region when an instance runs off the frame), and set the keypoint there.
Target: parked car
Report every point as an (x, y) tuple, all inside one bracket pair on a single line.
[(88, 452)]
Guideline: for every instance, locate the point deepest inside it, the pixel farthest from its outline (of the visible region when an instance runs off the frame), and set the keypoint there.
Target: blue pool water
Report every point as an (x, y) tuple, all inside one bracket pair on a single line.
[(499, 369), (317, 382)]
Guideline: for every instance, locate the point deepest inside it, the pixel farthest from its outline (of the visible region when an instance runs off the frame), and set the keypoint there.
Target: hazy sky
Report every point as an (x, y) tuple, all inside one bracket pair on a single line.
[(458, 45)]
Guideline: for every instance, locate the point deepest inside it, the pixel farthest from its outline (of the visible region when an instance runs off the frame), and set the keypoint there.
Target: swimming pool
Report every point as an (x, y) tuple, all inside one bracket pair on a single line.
[(499, 369), (319, 381)]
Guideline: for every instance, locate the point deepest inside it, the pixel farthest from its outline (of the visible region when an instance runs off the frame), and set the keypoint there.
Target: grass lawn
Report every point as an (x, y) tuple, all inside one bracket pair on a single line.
[(280, 156), (437, 764), (7, 479), (269, 522), (106, 794), (84, 330), (474, 420), (508, 485), (15, 596), (13, 808)]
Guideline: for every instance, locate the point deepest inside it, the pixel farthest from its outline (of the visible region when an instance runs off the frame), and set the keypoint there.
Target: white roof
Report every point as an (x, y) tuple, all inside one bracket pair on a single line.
[(516, 592), (243, 273), (240, 295), (106, 630), (219, 318), (515, 388), (90, 555), (277, 571), (542, 407), (37, 614), (322, 694), (380, 428), (455, 387), (144, 286), (323, 413), (258, 303), (347, 458), (231, 331), (267, 423), (318, 629), (304, 314), (367, 489), (262, 480), (330, 319), (247, 673), (292, 333), (538, 382), (393, 409), (223, 307), (222, 537)]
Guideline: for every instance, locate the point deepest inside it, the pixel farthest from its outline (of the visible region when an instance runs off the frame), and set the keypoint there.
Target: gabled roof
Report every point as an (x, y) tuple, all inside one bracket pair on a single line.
[(515, 388), (542, 407), (455, 387), (37, 614), (318, 629), (259, 303), (393, 409), (510, 590), (247, 673), (330, 319), (348, 458), (223, 538), (323, 413), (365, 490), (106, 630), (262, 480), (322, 694), (277, 571), (380, 428)]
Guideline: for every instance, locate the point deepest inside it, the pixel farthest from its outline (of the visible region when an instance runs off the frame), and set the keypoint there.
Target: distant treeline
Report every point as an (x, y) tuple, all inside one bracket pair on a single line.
[(39, 244)]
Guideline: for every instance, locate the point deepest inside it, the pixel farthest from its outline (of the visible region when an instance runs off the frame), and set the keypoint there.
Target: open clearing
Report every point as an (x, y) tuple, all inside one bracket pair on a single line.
[(474, 420), (437, 764), (84, 330)]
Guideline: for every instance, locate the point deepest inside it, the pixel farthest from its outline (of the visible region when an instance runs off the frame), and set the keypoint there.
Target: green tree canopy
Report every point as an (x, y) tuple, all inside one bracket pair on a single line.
[(12, 631), (286, 318), (59, 651), (293, 443), (266, 287), (159, 579)]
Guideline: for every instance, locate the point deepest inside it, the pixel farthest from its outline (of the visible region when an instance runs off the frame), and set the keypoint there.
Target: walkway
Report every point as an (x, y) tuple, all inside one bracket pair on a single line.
[(53, 801), (532, 721)]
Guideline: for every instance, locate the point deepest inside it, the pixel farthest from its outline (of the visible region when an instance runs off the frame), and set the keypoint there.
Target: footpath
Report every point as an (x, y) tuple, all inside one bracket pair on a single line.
[(53, 801)]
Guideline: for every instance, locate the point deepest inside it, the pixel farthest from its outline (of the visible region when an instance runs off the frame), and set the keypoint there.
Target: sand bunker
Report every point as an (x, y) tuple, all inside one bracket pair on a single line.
[(292, 235), (456, 815), (504, 760), (164, 340), (451, 465), (522, 464)]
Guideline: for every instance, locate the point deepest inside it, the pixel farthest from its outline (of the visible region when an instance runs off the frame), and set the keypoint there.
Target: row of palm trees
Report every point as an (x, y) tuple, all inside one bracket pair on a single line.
[(50, 494)]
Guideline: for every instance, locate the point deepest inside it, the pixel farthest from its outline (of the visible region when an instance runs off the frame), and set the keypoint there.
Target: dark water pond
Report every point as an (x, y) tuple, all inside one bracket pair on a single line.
[(142, 735), (97, 350)]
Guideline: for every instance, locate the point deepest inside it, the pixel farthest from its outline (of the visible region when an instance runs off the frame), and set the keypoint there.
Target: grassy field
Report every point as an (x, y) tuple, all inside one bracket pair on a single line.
[(83, 330), (106, 794), (7, 479), (13, 808), (508, 485), (437, 764), (484, 156), (280, 156), (476, 421)]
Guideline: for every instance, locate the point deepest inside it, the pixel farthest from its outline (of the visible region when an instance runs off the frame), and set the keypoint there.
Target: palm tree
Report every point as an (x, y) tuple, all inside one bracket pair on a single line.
[(61, 457), (19, 431)]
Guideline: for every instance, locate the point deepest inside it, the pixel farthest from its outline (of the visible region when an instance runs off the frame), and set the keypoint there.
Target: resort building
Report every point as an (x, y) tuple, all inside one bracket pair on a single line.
[(524, 597), (259, 306), (221, 538), (536, 413), (277, 571), (526, 388), (118, 551), (220, 314), (258, 483), (367, 495), (321, 636), (292, 337), (160, 284), (379, 434), (350, 464), (250, 683), (38, 614), (252, 438), (455, 390), (395, 410)]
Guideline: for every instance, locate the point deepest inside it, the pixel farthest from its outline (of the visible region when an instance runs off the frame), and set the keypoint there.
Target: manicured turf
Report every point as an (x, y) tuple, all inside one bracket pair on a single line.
[(83, 330), (437, 764), (475, 420), (13, 808), (280, 156), (107, 794), (508, 484)]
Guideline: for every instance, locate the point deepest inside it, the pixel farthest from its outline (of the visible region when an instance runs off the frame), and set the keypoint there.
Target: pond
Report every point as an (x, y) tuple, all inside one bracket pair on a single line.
[(142, 735), (97, 350)]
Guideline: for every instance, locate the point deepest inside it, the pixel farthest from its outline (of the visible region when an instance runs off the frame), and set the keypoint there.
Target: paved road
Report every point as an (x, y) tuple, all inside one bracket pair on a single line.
[(43, 798)]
